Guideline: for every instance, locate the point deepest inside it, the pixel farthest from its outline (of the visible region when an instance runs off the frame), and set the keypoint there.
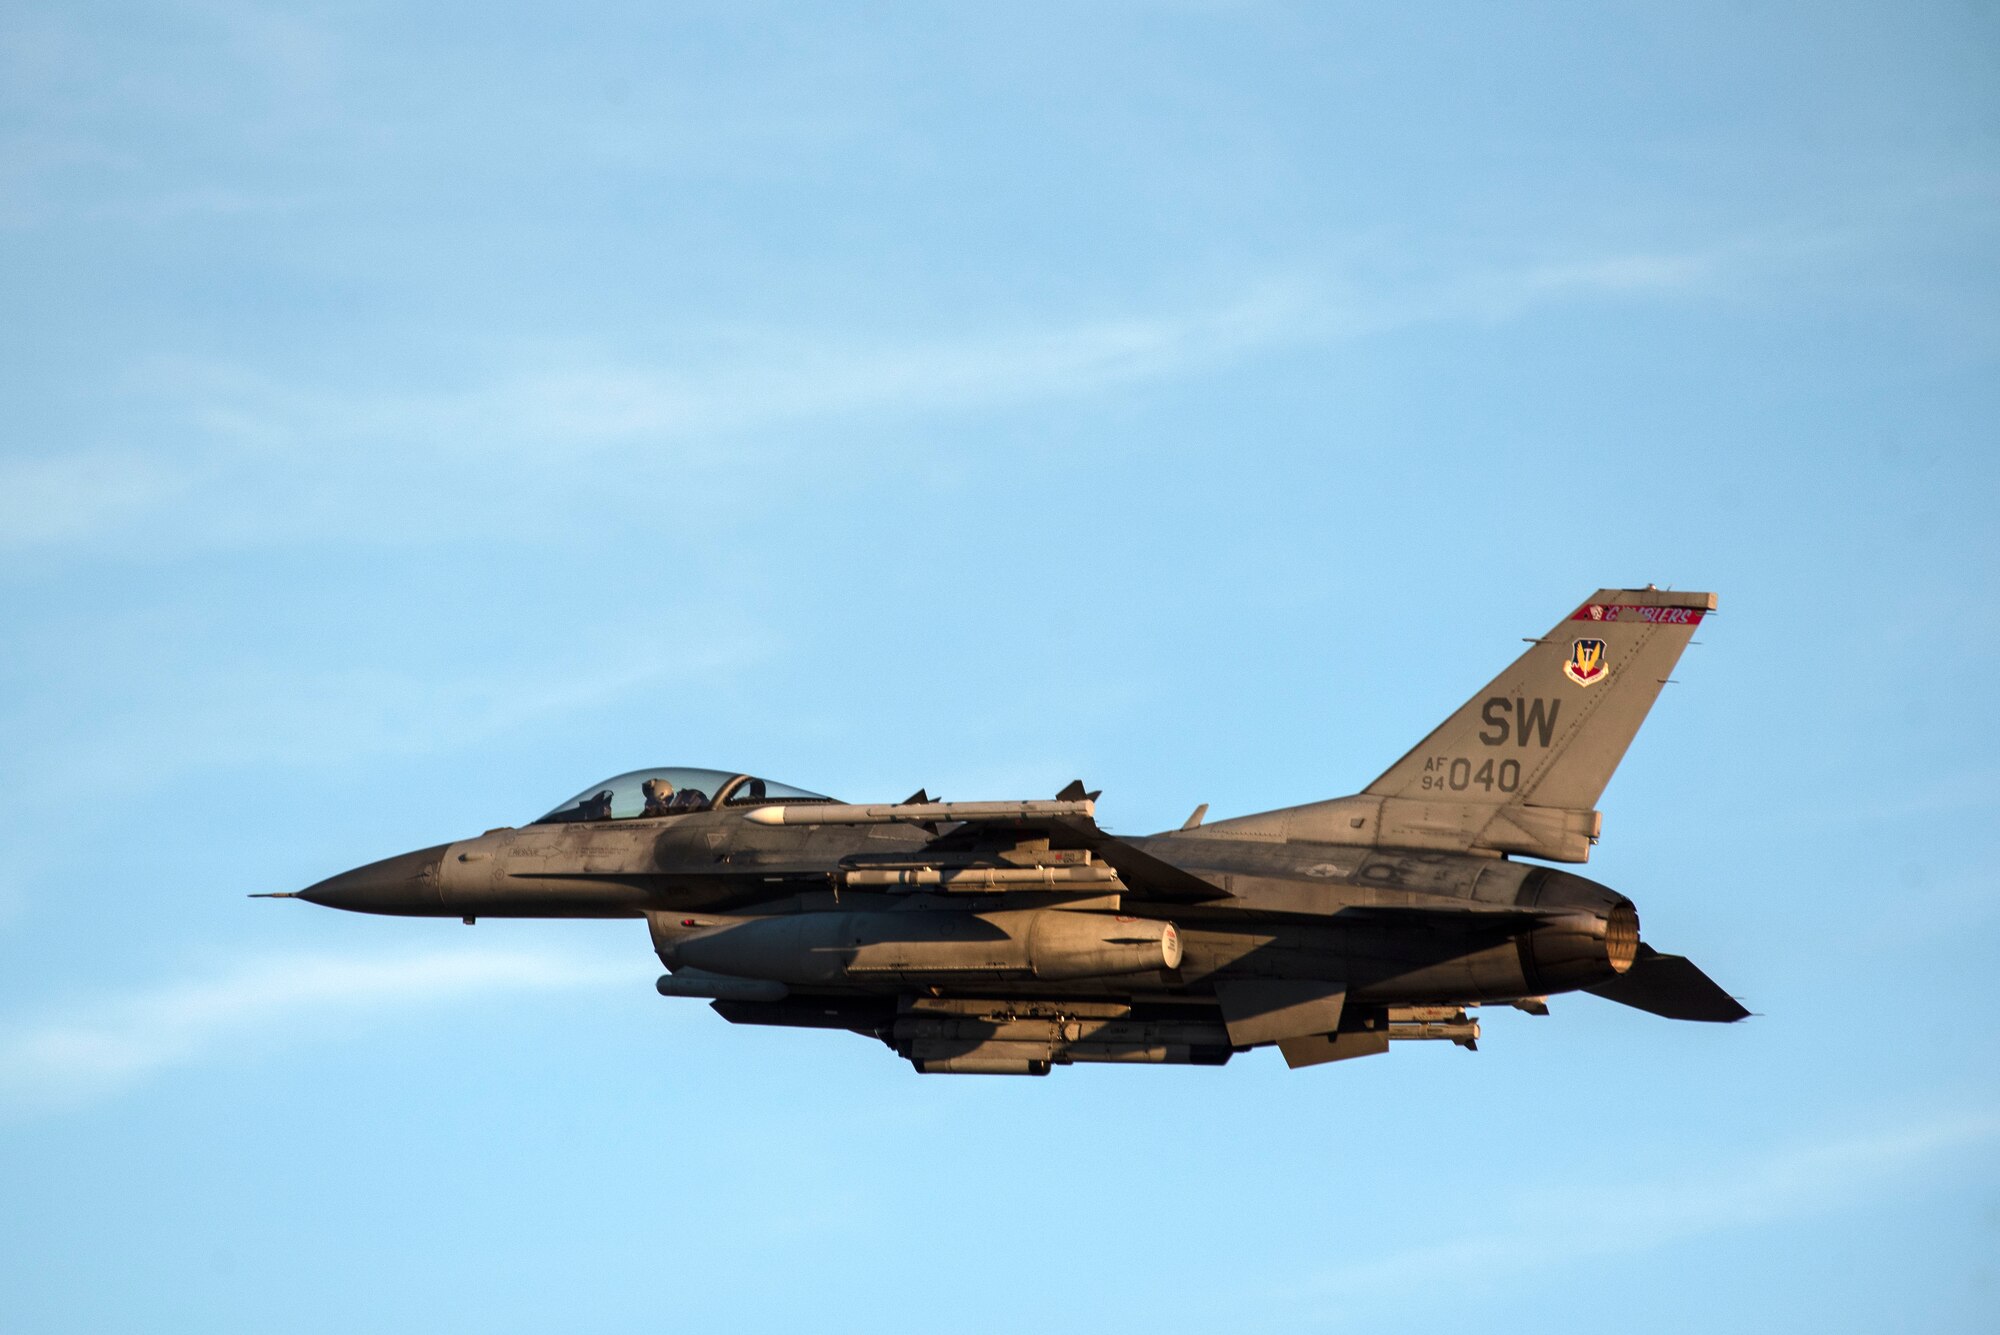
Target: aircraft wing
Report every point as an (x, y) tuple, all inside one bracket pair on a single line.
[(1143, 875), (1146, 876), (1068, 823)]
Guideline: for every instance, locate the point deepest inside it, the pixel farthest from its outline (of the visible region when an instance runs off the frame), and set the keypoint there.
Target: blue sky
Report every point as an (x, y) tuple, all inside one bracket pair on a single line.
[(409, 417)]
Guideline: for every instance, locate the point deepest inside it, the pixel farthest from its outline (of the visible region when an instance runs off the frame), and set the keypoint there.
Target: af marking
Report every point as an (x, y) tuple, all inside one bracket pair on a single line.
[(1456, 774)]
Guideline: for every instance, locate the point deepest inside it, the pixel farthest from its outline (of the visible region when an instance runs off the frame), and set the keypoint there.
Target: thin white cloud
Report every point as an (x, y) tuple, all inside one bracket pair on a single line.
[(249, 458), (765, 378), (1498, 294), (1550, 1228), (1619, 273), (56, 498), (212, 201), (85, 712), (252, 67), (109, 1045), (757, 379), (762, 378)]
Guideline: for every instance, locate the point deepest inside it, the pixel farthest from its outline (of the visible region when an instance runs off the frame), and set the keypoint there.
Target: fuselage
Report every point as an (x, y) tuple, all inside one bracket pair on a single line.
[(1396, 927)]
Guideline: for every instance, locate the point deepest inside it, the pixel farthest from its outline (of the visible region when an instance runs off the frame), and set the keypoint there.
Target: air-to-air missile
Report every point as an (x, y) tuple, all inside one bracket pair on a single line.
[(1010, 937)]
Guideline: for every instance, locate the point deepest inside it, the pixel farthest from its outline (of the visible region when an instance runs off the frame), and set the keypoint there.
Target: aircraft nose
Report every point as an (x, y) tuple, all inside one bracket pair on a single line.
[(406, 883)]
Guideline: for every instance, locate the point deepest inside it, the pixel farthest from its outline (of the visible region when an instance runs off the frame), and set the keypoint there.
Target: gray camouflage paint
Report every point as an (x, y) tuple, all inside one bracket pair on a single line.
[(1026, 937)]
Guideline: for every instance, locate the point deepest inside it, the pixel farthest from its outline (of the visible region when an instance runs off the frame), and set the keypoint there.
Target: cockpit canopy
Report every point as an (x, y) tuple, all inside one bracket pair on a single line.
[(671, 792)]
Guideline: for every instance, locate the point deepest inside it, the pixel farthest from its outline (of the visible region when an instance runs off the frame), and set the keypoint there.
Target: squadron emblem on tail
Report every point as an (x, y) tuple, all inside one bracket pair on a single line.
[(1585, 665)]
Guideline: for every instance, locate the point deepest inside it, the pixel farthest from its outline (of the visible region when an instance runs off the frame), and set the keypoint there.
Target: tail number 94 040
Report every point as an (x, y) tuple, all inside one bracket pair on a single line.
[(1457, 774)]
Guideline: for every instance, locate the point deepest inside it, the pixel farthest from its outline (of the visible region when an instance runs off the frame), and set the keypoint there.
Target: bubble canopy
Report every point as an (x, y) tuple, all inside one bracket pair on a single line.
[(624, 796)]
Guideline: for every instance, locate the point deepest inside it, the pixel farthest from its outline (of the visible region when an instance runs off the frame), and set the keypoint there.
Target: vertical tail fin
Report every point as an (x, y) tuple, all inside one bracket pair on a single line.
[(1549, 730), (1520, 766)]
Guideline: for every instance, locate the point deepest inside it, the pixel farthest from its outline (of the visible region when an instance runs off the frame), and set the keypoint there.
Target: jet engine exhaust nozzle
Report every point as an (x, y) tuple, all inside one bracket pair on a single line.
[(1621, 936), (1580, 949)]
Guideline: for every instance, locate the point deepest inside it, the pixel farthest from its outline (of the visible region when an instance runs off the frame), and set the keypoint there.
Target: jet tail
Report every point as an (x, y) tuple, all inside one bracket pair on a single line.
[(1519, 767), (1563, 712)]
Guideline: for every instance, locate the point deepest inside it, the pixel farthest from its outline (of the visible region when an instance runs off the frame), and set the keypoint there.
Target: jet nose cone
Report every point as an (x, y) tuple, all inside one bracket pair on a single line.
[(407, 883)]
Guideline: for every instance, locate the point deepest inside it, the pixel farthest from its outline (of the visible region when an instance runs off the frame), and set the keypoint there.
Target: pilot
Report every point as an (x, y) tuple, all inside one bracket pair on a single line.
[(660, 797), (690, 799)]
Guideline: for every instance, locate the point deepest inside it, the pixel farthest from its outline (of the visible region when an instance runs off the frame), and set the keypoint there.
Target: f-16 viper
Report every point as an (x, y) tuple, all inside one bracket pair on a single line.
[(1012, 937)]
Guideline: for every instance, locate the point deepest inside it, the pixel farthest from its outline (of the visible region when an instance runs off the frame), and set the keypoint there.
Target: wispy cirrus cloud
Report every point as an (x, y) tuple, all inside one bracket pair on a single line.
[(103, 1047), (1542, 1229), (746, 379), (731, 381), (57, 498), (244, 457), (241, 455), (250, 713)]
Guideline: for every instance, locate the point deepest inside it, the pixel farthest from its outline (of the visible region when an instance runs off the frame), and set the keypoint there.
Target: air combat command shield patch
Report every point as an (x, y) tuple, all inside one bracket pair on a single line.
[(1585, 665)]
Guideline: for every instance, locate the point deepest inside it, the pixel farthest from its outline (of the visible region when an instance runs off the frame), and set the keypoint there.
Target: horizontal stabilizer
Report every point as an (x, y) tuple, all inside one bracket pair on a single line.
[(1672, 986)]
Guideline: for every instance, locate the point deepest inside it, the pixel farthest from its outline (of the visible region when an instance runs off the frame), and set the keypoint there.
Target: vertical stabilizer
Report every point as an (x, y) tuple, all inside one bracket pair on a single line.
[(1519, 767), (1549, 731)]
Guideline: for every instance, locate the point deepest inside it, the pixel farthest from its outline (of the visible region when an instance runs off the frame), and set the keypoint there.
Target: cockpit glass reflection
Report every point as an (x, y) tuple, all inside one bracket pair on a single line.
[(672, 791)]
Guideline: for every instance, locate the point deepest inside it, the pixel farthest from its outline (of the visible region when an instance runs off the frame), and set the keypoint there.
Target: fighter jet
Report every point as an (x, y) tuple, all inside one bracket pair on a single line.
[(1013, 937)]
